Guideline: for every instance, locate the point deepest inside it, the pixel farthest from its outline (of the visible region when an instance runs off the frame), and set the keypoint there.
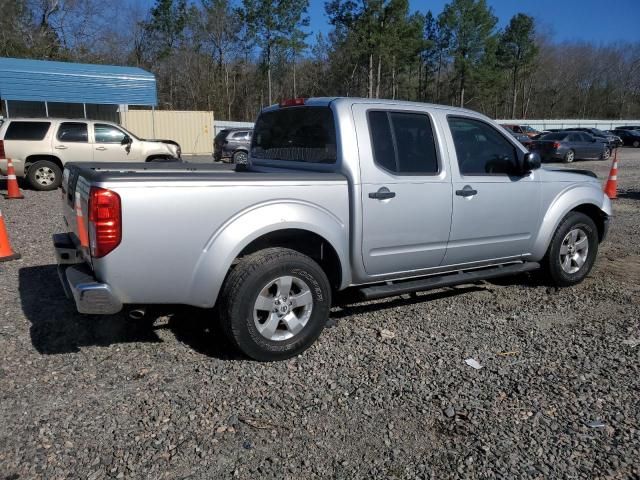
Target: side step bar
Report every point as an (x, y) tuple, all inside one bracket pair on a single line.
[(408, 286)]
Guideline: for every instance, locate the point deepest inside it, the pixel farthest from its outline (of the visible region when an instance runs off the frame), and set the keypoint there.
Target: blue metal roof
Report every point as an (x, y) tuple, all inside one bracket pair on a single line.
[(39, 80)]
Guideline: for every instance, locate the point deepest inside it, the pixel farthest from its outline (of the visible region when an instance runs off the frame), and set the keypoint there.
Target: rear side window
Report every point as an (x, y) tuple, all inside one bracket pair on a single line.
[(403, 142), (27, 130), (481, 149), (73, 132), (296, 134)]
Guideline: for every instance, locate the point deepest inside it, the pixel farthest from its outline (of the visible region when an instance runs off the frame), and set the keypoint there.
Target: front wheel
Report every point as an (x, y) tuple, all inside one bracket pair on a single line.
[(274, 304), (44, 175), (572, 250), (606, 154)]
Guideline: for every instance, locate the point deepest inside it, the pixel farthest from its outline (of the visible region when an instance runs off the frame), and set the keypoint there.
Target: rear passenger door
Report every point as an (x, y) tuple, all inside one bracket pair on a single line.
[(71, 142), (405, 191), (496, 211)]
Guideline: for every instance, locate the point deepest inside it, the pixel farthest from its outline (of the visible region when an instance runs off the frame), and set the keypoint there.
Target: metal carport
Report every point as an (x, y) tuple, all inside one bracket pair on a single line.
[(75, 87)]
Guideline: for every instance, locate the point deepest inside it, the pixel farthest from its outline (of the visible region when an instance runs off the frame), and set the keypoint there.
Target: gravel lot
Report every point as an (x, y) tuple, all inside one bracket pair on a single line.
[(105, 397)]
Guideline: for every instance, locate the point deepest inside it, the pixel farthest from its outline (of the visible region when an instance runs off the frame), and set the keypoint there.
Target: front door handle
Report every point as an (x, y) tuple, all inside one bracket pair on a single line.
[(466, 191), (382, 194), (61, 147), (101, 148)]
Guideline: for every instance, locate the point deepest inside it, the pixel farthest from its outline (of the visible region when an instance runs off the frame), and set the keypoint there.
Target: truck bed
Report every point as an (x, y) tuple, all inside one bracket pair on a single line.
[(183, 224), (172, 171)]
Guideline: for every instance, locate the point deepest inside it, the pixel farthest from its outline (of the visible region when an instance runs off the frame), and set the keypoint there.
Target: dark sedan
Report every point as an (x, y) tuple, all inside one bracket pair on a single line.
[(612, 140), (569, 146), (630, 138)]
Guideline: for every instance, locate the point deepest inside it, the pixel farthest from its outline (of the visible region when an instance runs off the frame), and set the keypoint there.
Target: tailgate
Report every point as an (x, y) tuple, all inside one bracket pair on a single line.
[(75, 209)]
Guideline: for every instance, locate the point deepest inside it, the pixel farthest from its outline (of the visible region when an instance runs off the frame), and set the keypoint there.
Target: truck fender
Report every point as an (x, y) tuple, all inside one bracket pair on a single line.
[(567, 200), (226, 243)]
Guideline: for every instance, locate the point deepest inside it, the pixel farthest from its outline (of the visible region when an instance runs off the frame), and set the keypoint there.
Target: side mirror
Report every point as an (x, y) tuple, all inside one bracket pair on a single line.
[(593, 139), (126, 140), (531, 161)]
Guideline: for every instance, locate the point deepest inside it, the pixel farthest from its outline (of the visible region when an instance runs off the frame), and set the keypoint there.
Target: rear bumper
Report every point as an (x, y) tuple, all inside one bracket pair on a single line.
[(79, 283), (18, 166)]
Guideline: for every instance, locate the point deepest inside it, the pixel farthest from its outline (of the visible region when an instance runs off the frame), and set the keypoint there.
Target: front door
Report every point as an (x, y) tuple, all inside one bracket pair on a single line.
[(406, 190), (71, 142), (108, 146), (495, 211)]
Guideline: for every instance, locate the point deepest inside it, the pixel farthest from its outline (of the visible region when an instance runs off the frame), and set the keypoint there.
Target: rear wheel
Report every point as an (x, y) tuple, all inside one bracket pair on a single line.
[(44, 175), (274, 304), (572, 250), (569, 156), (240, 157), (636, 143)]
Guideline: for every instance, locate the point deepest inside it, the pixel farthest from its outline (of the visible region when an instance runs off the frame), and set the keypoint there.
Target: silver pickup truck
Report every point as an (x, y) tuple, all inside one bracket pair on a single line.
[(379, 197)]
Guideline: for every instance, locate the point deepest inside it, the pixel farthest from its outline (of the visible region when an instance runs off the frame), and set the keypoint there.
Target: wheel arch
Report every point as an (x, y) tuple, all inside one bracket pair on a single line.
[(31, 159), (581, 198), (295, 224)]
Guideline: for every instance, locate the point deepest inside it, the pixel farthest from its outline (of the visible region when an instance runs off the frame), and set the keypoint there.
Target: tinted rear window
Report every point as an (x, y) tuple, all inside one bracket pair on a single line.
[(27, 130), (297, 134), (553, 136)]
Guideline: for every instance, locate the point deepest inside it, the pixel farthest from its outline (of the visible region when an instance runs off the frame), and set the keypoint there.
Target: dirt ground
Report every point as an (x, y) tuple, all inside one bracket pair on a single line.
[(107, 397)]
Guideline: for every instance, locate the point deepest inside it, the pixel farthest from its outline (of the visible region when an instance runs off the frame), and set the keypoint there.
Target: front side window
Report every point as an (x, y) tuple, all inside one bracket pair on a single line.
[(481, 149), (73, 132), (403, 142), (108, 133), (27, 130), (295, 134)]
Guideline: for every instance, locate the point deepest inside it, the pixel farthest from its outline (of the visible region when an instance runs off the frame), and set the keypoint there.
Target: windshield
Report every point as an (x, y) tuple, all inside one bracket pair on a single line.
[(528, 129), (295, 134)]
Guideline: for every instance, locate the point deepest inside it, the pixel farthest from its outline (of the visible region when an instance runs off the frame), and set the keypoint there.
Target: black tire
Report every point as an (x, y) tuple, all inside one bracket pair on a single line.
[(569, 156), (250, 278), (551, 263), (240, 157), (44, 175), (635, 143), (606, 154), (162, 158)]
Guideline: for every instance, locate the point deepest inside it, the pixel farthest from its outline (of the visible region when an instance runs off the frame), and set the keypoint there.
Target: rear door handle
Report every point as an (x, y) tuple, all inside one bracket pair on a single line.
[(101, 148), (466, 191), (382, 194), (61, 147)]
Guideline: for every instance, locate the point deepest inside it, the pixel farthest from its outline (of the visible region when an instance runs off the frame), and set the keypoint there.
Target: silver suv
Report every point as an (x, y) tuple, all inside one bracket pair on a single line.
[(40, 147)]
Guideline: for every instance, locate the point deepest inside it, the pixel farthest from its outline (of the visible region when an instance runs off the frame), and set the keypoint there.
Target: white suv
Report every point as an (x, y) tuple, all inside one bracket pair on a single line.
[(39, 147)]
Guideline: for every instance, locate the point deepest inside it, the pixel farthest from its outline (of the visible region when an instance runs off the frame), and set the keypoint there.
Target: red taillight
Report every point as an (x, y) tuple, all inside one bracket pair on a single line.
[(556, 144), (105, 221), (292, 102), (2, 154)]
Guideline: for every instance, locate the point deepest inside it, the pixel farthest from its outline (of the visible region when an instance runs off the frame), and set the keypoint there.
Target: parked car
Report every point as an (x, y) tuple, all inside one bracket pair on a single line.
[(40, 147), (569, 146), (380, 197), (523, 139), (630, 138), (628, 127), (522, 129), (612, 140), (232, 145)]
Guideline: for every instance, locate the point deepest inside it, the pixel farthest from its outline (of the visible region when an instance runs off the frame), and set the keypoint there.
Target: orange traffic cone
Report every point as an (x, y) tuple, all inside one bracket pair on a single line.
[(13, 190), (6, 253), (83, 234), (611, 187)]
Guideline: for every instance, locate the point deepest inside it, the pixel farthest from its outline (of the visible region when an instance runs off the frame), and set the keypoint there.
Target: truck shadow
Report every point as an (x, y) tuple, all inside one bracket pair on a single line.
[(57, 328)]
